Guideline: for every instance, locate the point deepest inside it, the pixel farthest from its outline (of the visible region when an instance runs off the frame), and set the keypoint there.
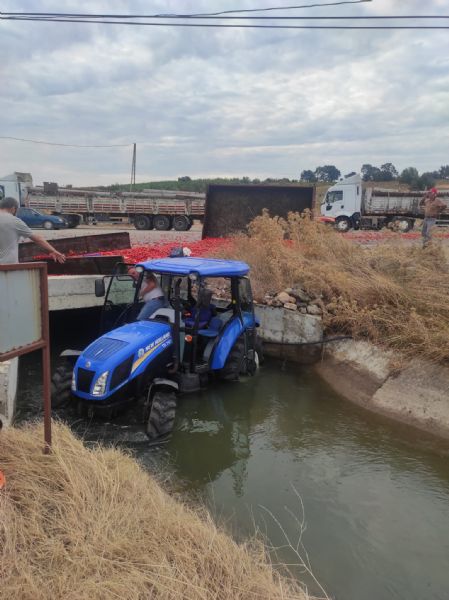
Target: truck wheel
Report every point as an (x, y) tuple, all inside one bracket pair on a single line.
[(142, 222), (162, 414), (161, 222), (61, 385), (47, 225), (402, 225), (343, 224), (181, 223)]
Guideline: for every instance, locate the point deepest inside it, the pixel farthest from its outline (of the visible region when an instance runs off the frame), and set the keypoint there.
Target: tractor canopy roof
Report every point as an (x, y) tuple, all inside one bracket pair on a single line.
[(204, 267)]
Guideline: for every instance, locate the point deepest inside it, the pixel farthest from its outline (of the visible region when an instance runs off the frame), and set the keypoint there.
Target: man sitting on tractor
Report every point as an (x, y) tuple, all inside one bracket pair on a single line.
[(153, 296)]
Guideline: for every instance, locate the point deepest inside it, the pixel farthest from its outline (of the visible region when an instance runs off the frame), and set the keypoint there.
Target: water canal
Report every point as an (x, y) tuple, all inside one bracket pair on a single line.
[(375, 494)]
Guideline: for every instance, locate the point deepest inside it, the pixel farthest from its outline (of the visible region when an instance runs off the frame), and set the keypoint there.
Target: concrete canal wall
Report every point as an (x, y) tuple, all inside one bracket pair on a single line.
[(417, 395)]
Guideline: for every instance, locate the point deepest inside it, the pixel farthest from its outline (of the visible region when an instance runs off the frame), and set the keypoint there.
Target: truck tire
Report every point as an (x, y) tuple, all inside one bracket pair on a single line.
[(402, 224), (142, 222), (162, 414), (61, 385), (47, 225), (343, 224), (161, 222), (181, 223)]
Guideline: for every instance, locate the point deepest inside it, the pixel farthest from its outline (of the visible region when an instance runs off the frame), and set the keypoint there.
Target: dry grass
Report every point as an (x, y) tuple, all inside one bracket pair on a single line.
[(395, 294), (91, 524)]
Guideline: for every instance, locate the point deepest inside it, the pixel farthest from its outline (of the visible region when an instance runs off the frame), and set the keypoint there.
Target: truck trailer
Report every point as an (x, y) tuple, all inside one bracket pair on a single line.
[(230, 208), (354, 205), (158, 209)]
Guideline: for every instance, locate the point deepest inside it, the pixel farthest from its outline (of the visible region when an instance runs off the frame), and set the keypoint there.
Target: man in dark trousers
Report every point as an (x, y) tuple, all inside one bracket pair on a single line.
[(12, 229), (433, 207)]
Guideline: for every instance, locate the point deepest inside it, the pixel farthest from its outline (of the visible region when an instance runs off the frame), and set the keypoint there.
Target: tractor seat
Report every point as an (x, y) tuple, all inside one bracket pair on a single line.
[(213, 330), (205, 317)]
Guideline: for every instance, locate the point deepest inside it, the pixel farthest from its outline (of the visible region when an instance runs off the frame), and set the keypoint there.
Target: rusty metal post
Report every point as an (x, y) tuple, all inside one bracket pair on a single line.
[(46, 373)]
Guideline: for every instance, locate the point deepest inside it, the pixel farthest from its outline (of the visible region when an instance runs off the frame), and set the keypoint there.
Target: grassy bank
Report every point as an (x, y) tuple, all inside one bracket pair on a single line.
[(394, 294), (91, 524)]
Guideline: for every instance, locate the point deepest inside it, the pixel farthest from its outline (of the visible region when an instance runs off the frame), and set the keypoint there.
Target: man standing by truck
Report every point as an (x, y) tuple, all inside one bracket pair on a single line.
[(12, 229), (433, 207)]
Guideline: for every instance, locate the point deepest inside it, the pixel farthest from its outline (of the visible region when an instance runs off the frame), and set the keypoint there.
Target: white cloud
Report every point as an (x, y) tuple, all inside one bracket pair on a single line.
[(220, 102)]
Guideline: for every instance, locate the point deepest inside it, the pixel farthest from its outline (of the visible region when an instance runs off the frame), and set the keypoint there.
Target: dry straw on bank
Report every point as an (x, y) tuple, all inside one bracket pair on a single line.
[(395, 293), (91, 524)]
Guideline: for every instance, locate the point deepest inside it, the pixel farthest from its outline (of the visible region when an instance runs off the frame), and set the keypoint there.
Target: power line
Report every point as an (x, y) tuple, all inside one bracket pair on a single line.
[(251, 10), (84, 18), (234, 25), (16, 139), (183, 16)]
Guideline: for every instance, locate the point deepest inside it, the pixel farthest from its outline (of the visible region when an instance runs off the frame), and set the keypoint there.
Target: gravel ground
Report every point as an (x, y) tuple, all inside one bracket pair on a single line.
[(137, 237)]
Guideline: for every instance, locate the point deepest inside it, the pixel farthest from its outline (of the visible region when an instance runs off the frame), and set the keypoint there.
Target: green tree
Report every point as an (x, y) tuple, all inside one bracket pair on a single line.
[(327, 173), (410, 176), (308, 176), (426, 181), (444, 172), (370, 173), (389, 172)]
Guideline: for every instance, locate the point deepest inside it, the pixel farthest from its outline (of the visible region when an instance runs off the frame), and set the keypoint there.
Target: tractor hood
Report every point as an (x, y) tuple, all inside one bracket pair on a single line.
[(118, 356)]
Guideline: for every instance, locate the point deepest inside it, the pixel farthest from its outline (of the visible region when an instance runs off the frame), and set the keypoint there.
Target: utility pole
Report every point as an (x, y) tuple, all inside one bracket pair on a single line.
[(133, 169)]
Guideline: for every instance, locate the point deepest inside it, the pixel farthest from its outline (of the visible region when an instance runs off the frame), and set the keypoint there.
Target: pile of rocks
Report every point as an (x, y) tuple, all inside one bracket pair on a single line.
[(296, 299), (291, 299)]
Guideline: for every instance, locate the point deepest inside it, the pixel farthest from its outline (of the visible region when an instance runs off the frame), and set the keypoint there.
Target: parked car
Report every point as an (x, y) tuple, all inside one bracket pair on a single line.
[(33, 218)]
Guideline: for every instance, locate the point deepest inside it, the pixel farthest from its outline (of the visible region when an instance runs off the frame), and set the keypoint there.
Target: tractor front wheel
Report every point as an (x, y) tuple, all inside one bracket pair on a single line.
[(162, 414), (61, 385)]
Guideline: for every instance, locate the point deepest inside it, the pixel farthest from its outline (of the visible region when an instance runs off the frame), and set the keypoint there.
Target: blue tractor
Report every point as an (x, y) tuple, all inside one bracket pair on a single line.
[(177, 350)]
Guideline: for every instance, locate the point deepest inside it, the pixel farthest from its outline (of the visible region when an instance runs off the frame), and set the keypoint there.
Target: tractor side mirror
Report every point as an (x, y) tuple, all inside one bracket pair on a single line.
[(100, 289)]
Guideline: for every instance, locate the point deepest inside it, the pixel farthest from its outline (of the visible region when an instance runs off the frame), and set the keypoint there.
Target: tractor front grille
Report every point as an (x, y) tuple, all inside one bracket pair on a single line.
[(121, 372), (84, 380)]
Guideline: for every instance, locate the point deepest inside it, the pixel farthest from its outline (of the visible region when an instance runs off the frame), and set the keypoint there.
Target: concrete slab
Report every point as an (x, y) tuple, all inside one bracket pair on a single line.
[(281, 326), (72, 291)]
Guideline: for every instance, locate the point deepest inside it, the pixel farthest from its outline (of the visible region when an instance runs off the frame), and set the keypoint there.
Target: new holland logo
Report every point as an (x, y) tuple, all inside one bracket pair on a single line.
[(88, 364), (140, 352)]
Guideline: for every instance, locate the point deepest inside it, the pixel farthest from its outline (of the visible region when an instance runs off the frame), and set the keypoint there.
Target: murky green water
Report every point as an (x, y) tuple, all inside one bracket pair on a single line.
[(375, 494)]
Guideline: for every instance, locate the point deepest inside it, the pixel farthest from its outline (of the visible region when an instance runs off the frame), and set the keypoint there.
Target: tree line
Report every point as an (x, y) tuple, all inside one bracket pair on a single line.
[(322, 174), (386, 172)]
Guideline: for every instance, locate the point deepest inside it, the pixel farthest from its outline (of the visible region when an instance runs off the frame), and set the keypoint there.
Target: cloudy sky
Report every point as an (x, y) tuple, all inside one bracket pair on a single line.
[(217, 102)]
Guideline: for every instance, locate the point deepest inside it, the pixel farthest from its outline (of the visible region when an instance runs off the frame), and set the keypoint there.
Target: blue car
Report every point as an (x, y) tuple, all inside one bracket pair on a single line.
[(180, 348), (33, 218)]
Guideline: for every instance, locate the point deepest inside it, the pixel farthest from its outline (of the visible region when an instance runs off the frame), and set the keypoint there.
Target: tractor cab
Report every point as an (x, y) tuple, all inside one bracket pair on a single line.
[(187, 342)]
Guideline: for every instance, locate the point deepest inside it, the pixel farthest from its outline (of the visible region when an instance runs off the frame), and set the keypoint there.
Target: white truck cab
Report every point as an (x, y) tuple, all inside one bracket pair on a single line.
[(343, 202), (15, 186)]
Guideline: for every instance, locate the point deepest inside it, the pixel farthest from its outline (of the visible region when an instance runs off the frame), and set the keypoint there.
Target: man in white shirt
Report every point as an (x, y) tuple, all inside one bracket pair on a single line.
[(12, 229), (152, 295)]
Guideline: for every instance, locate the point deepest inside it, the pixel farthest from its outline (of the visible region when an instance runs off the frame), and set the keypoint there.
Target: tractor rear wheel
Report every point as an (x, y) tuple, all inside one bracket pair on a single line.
[(237, 365), (61, 385), (234, 364), (162, 414)]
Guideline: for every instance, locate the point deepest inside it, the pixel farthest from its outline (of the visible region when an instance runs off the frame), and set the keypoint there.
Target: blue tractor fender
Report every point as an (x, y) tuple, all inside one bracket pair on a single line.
[(228, 337), (232, 331), (161, 383)]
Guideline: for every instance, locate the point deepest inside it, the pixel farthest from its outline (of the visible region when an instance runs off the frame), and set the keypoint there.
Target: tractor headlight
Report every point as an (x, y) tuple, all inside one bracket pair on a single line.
[(100, 384), (73, 381)]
